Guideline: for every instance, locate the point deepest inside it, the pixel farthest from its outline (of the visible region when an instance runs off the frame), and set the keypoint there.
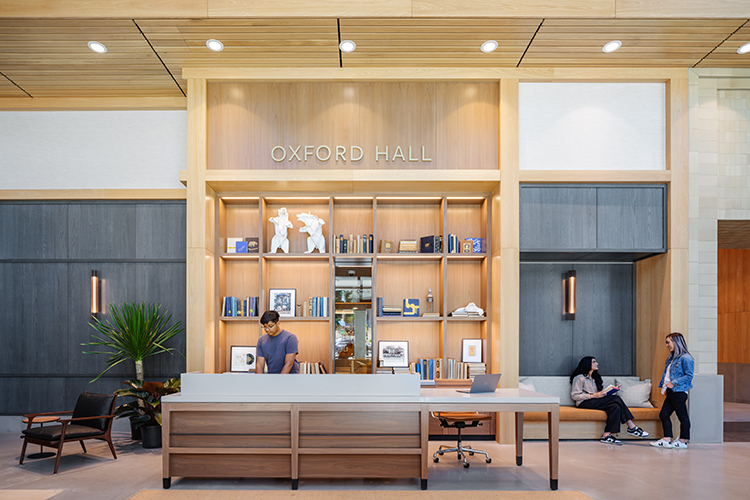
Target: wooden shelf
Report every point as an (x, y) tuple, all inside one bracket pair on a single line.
[(466, 256), (239, 256), (304, 318), (408, 318), (239, 318), (409, 256), (296, 256), (466, 318)]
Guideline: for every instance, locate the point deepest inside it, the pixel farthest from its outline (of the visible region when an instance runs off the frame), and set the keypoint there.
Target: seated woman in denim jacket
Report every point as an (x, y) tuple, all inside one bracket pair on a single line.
[(587, 392), (676, 381)]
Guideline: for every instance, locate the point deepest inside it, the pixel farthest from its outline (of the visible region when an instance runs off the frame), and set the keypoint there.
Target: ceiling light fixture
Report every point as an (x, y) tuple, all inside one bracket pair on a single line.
[(347, 46), (611, 46), (97, 47), (744, 49), (489, 46), (214, 45)]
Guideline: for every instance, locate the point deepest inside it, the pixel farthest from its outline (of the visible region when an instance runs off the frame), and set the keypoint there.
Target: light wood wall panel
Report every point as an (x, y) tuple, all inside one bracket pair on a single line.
[(455, 122), (97, 9), (305, 8), (682, 8), (511, 8), (734, 306)]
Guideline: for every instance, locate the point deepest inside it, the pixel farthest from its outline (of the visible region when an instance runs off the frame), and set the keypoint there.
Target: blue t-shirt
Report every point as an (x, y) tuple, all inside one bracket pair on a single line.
[(274, 350)]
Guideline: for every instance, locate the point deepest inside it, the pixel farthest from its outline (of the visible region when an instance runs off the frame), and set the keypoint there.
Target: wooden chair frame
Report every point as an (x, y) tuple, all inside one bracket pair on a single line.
[(106, 436)]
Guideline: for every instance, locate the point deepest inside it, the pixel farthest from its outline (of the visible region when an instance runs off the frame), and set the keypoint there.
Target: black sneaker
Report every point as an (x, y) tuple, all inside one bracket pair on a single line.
[(638, 432), (610, 440)]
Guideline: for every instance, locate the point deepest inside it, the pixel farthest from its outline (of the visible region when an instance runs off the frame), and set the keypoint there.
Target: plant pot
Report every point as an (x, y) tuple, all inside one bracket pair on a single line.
[(135, 432), (151, 436)]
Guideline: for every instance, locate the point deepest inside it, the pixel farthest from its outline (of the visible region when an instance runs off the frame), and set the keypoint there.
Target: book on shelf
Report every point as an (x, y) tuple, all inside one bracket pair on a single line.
[(408, 246), (430, 244), (479, 244), (232, 307), (477, 369), (253, 245), (306, 368), (467, 247), (316, 307), (386, 246), (383, 310), (369, 243), (240, 246), (411, 307), (232, 244), (384, 370), (402, 369), (430, 315), (427, 368)]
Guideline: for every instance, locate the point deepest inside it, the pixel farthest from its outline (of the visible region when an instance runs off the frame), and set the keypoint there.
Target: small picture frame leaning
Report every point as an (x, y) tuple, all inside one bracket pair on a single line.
[(242, 358), (471, 350), (283, 301), (393, 353)]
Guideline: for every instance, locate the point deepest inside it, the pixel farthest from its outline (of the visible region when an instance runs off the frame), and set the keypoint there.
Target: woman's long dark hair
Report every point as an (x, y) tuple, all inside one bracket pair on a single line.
[(584, 367)]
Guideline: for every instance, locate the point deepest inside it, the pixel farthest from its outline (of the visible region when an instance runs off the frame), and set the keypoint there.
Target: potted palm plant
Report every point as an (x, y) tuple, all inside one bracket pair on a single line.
[(134, 331), (145, 412)]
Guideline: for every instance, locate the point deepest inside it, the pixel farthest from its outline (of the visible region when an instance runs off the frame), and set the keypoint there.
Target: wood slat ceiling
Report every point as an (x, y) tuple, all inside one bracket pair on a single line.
[(49, 57), (734, 234)]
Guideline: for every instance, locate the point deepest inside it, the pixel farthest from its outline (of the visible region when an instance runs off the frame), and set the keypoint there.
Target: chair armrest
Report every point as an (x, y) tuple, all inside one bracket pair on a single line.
[(79, 419), (32, 415)]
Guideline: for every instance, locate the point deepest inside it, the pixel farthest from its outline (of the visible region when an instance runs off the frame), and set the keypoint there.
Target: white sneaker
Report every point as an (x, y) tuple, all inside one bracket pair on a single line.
[(679, 444), (663, 444)]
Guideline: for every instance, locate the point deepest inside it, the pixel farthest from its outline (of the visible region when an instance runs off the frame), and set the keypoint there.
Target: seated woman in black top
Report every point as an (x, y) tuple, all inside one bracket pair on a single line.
[(587, 392)]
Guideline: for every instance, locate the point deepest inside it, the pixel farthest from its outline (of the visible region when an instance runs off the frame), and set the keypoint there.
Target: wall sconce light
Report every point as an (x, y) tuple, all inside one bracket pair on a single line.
[(96, 293), (570, 296)]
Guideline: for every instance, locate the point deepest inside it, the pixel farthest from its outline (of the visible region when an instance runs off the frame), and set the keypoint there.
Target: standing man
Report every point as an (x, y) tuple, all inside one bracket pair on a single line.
[(276, 346)]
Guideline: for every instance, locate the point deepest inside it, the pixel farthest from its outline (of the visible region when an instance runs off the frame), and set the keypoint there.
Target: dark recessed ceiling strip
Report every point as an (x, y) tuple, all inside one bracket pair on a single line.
[(341, 59), (157, 55), (721, 43), (14, 83), (530, 42)]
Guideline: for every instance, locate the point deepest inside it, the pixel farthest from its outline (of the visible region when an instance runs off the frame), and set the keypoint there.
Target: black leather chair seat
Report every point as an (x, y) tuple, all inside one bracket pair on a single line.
[(53, 432)]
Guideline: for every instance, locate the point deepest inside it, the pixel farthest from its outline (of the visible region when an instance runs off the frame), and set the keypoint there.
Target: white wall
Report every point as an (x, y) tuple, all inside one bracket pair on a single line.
[(92, 149), (592, 126)]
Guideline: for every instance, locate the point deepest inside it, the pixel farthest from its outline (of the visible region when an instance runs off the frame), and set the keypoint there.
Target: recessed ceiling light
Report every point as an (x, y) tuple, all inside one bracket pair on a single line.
[(97, 47), (347, 46), (488, 46), (744, 49), (215, 45), (612, 46)]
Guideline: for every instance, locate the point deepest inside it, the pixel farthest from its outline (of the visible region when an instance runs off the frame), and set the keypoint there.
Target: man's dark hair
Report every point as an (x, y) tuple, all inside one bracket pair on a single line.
[(269, 317)]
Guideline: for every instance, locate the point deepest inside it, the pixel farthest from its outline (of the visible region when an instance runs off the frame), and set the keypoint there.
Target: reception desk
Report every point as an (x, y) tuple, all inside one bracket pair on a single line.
[(321, 426)]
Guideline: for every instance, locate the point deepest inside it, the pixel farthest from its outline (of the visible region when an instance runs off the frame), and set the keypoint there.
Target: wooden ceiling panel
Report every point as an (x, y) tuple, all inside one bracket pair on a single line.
[(247, 42), (7, 89), (726, 56), (50, 58), (436, 42), (646, 42), (734, 234)]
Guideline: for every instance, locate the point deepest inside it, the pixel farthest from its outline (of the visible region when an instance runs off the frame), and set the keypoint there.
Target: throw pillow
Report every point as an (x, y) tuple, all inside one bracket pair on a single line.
[(526, 387), (636, 393)]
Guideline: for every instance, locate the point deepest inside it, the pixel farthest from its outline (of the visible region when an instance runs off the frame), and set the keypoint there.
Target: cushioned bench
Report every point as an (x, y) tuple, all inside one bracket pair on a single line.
[(580, 423)]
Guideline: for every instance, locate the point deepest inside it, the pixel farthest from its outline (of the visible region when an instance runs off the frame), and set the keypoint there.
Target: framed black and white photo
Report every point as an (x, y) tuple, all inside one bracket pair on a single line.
[(471, 350), (242, 358), (283, 301), (393, 353)]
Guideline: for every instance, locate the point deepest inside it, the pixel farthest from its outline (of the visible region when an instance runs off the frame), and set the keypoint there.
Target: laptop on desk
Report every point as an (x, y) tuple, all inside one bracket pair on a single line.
[(483, 383)]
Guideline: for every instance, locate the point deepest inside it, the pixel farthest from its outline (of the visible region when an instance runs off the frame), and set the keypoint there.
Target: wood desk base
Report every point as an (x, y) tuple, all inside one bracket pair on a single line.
[(315, 440)]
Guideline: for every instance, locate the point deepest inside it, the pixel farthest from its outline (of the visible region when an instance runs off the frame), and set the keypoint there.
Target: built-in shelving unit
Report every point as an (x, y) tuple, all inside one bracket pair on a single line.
[(455, 278)]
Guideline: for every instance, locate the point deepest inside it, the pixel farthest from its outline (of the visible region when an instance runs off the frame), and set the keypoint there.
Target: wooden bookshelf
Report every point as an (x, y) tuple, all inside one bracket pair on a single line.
[(455, 278)]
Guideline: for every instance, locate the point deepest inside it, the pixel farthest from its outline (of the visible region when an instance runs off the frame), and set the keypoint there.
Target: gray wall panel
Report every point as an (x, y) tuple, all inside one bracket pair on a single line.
[(604, 328), (543, 331), (101, 231), (44, 306), (604, 317), (630, 217), (160, 231), (557, 218), (33, 231)]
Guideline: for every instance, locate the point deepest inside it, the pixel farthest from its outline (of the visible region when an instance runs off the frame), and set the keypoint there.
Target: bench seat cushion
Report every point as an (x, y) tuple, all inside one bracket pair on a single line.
[(572, 413)]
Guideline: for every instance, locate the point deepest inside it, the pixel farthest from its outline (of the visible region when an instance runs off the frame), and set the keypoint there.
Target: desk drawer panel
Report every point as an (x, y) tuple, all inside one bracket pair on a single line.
[(229, 441), (230, 465), (349, 422), (359, 441), (230, 422), (359, 466)]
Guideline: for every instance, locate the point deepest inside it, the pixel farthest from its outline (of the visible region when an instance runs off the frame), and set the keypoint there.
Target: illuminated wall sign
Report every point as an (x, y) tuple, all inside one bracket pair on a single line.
[(324, 153)]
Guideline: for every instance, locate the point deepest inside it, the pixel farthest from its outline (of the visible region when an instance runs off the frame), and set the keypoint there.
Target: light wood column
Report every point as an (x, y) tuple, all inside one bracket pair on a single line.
[(199, 358), (505, 348), (677, 118)]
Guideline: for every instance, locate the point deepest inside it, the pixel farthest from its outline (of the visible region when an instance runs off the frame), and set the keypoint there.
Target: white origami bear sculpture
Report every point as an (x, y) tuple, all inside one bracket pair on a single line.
[(281, 223), (314, 227)]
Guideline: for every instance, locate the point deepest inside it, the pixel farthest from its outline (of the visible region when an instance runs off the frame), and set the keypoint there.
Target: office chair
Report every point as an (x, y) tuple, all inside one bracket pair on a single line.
[(91, 419), (458, 421)]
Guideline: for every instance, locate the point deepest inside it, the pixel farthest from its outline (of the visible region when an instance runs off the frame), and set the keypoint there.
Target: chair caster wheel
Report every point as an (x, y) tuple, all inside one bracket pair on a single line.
[(489, 460), (471, 454), (436, 459), (466, 465), (441, 453)]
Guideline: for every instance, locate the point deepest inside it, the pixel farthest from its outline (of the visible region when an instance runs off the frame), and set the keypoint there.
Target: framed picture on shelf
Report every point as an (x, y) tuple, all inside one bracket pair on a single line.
[(471, 350), (393, 353), (242, 358), (283, 301)]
